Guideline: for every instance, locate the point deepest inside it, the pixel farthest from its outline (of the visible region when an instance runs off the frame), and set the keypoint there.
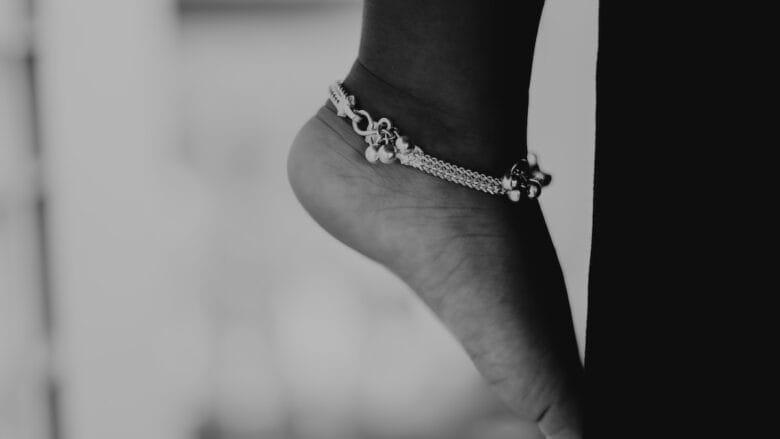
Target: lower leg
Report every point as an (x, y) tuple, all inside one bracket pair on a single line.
[(452, 74), (440, 71)]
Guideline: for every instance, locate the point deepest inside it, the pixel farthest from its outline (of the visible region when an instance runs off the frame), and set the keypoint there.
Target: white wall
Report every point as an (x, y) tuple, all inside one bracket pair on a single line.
[(123, 220), (561, 127)]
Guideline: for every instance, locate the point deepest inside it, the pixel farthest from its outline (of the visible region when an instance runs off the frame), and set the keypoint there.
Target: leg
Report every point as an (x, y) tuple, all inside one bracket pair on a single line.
[(441, 70)]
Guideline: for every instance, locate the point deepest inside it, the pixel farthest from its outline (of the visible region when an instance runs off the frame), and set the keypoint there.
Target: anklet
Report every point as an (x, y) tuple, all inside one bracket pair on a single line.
[(387, 145)]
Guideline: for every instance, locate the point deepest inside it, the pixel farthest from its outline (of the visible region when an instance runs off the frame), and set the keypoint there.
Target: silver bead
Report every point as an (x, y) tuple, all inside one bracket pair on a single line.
[(402, 145), (533, 190), (509, 180), (372, 155), (541, 177), (514, 195), (533, 160), (386, 155)]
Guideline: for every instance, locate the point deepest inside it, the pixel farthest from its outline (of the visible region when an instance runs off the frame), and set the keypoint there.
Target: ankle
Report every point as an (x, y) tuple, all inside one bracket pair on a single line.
[(487, 137)]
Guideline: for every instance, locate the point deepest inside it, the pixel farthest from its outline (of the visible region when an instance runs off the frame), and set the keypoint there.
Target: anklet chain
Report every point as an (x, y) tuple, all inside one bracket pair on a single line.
[(387, 145)]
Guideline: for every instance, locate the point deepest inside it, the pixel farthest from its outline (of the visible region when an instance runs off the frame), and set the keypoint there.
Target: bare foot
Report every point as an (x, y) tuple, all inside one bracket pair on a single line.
[(485, 266)]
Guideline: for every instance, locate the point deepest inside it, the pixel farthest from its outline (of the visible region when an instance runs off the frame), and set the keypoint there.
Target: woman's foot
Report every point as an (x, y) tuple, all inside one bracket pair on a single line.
[(485, 266)]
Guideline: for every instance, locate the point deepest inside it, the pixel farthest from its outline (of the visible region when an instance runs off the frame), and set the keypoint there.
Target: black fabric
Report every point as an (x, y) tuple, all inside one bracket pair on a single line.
[(665, 354)]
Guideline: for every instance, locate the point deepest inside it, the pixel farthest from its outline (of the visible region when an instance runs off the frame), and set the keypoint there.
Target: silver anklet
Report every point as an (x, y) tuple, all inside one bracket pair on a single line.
[(386, 145)]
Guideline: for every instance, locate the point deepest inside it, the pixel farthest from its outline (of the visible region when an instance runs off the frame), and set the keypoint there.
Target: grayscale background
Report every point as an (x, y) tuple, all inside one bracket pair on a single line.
[(158, 280)]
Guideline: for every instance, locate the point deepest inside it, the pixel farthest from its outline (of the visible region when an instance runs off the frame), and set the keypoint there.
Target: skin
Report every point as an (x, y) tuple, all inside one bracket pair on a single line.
[(486, 267)]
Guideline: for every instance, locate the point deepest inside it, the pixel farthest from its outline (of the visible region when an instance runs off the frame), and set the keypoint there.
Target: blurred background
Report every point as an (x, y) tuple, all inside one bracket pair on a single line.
[(157, 277)]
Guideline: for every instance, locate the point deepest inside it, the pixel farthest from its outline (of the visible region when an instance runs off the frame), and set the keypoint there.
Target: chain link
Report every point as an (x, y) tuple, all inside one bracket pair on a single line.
[(454, 173)]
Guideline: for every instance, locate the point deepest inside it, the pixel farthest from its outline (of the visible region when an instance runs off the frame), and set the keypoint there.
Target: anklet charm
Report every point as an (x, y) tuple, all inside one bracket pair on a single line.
[(524, 180)]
